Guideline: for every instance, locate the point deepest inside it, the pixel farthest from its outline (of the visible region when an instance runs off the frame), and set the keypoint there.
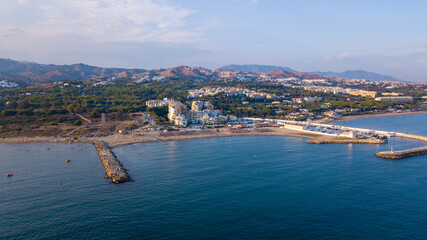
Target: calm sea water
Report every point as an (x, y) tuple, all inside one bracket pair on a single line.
[(218, 188)]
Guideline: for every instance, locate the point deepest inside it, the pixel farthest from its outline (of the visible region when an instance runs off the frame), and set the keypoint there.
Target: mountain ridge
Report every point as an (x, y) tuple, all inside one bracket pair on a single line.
[(22, 71), (359, 74), (349, 74), (254, 68), (30, 73)]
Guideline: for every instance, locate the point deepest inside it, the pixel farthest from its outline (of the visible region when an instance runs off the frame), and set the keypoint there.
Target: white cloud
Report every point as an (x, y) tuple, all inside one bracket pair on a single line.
[(422, 62), (343, 56), (100, 20), (246, 2)]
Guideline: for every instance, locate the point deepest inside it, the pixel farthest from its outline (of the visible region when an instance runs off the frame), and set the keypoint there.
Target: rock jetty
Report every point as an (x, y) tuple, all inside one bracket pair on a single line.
[(402, 154), (405, 153), (113, 168)]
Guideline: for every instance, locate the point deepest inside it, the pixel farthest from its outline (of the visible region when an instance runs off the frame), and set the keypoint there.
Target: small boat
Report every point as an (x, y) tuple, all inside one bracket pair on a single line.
[(68, 160), (9, 175)]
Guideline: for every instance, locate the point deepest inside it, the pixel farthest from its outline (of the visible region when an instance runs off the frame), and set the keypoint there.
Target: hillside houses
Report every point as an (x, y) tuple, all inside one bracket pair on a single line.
[(231, 91)]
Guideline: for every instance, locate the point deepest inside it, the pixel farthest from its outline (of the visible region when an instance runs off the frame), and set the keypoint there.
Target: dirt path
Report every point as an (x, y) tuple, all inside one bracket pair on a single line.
[(85, 125), (86, 119)]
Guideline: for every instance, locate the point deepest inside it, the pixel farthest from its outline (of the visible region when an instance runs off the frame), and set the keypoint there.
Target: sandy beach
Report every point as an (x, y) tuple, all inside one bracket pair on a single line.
[(119, 140), (116, 140), (34, 140)]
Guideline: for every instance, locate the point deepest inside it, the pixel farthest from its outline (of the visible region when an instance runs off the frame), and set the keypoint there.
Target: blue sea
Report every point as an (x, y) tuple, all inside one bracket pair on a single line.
[(251, 187)]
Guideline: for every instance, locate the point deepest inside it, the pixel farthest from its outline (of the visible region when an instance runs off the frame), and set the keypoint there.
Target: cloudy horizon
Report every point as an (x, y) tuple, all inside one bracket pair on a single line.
[(384, 37)]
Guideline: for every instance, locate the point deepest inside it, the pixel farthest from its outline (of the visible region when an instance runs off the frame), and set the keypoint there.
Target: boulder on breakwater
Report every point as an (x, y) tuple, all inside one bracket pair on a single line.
[(113, 168)]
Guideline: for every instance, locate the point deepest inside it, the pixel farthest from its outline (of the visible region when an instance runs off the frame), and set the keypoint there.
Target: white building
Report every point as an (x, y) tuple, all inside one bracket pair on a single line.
[(7, 84), (394, 99), (181, 120), (156, 103)]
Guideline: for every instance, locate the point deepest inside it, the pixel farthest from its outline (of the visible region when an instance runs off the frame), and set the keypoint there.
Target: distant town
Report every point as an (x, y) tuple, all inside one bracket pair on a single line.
[(186, 97)]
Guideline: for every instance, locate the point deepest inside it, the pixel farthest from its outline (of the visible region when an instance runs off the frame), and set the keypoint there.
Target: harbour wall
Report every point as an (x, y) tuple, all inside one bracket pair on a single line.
[(402, 154), (405, 153), (412, 136), (346, 141), (113, 168)]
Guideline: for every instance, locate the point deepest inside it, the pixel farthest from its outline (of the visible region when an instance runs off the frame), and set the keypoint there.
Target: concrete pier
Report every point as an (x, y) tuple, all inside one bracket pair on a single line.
[(402, 154), (346, 141), (113, 168), (412, 136)]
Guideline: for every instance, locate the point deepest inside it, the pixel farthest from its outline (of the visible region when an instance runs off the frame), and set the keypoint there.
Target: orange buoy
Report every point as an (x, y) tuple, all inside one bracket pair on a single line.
[(68, 160), (9, 175)]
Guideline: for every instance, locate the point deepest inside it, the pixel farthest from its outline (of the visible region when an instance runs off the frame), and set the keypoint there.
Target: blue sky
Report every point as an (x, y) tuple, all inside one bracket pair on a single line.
[(388, 37)]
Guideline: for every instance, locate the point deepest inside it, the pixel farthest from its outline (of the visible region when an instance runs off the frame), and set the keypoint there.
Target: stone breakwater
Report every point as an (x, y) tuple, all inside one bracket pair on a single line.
[(113, 168), (402, 154), (405, 153), (346, 141)]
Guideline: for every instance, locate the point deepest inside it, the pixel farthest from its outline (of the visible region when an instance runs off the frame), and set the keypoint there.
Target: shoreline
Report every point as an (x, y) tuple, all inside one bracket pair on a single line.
[(40, 140), (114, 140), (118, 174), (270, 132)]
